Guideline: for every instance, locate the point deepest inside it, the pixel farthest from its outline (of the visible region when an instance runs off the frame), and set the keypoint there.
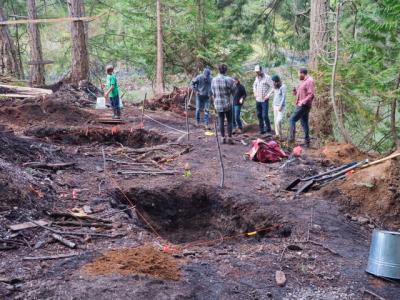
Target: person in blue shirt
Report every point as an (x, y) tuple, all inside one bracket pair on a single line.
[(202, 86)]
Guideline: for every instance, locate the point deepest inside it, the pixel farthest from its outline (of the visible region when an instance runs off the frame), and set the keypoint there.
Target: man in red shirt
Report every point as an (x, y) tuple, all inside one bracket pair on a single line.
[(305, 94)]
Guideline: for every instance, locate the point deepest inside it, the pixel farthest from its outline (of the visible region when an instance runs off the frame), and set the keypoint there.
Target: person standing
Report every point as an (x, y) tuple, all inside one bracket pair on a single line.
[(112, 91), (222, 89), (239, 96), (202, 86), (262, 89), (305, 94), (279, 104)]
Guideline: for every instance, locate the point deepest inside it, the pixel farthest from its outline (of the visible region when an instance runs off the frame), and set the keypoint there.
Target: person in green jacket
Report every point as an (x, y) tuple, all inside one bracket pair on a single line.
[(112, 91)]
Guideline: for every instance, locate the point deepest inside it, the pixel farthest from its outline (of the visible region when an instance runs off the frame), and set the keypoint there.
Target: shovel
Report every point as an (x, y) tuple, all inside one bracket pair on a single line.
[(298, 180)]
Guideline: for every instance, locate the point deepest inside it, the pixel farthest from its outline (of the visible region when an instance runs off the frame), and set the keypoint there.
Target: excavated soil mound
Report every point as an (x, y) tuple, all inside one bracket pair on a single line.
[(188, 212), (174, 101), (48, 110), (374, 191), (141, 260), (137, 138), (19, 150), (338, 153)]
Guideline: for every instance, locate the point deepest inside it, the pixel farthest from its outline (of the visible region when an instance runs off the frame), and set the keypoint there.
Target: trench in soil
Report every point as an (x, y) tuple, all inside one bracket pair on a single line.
[(137, 138), (188, 213)]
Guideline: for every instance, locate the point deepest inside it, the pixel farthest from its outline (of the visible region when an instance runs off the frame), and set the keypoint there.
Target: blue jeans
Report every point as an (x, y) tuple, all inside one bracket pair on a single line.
[(300, 113), (114, 102), (237, 123), (202, 102), (262, 115)]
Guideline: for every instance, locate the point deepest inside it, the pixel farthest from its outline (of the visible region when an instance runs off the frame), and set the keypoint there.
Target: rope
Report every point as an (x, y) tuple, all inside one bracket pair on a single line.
[(167, 126)]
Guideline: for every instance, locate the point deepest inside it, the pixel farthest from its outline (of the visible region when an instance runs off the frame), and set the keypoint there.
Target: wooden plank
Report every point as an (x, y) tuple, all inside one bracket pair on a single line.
[(43, 62), (55, 20), (17, 96), (27, 225)]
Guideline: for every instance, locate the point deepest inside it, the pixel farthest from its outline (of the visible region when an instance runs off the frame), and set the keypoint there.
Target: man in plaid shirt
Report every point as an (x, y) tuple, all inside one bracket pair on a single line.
[(222, 88), (262, 89)]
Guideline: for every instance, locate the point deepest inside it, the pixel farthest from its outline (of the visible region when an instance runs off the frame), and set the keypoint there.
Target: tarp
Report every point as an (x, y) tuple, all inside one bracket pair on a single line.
[(266, 152)]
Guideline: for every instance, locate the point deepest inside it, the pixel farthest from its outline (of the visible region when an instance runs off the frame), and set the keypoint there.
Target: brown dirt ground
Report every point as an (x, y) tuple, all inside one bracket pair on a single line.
[(337, 153), (374, 191), (219, 262), (141, 260)]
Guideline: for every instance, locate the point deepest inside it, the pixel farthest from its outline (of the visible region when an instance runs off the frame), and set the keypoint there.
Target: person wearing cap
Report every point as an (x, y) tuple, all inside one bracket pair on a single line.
[(222, 89), (305, 94), (239, 96), (262, 89), (112, 91), (279, 104), (202, 86)]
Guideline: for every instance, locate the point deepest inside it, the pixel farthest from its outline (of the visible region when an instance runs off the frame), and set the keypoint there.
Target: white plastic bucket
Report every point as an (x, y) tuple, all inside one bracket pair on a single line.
[(101, 103)]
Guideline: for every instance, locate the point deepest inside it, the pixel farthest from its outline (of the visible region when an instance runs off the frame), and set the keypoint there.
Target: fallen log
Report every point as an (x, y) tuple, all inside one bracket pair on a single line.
[(27, 90), (64, 241), (147, 173), (50, 257), (54, 166)]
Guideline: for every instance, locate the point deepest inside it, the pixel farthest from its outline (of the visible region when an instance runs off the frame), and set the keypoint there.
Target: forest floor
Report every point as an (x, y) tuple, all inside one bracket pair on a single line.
[(176, 234)]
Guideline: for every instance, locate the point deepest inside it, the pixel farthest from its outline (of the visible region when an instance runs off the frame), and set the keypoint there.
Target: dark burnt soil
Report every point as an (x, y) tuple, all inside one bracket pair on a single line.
[(134, 138), (199, 225), (187, 212)]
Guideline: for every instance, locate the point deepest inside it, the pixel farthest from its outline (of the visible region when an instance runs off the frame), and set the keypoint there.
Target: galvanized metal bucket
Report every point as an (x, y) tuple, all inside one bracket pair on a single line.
[(384, 254)]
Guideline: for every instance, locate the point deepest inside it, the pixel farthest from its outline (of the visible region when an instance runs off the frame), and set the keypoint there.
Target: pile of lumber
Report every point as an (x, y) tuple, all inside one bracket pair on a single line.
[(12, 91)]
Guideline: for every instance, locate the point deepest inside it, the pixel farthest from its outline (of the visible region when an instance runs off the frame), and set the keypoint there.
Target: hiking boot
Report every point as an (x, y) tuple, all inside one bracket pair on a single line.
[(224, 140), (240, 131), (208, 127)]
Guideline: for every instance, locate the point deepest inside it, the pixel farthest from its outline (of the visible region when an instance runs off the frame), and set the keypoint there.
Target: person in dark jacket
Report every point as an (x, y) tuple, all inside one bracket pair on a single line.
[(202, 86), (238, 98)]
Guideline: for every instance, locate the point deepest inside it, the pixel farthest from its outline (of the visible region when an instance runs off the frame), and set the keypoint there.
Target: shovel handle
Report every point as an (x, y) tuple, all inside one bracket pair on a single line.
[(381, 160)]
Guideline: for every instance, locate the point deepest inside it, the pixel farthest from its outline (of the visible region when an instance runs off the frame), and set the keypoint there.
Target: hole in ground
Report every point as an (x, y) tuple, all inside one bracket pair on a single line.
[(137, 138), (186, 213)]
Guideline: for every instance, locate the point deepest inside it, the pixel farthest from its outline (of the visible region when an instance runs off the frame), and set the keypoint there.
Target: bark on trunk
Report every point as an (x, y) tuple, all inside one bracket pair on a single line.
[(160, 53), (9, 57), (339, 119), (36, 70), (318, 30), (80, 56), (395, 133)]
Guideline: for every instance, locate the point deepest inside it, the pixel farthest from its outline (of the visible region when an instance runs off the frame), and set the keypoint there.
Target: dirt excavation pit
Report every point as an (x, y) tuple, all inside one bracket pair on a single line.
[(145, 260), (374, 192), (137, 138), (189, 213)]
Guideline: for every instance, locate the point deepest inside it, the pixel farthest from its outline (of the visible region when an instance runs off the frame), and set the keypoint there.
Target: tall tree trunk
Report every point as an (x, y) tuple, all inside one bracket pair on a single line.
[(343, 131), (37, 66), (80, 55), (318, 30), (395, 133), (160, 53), (9, 58)]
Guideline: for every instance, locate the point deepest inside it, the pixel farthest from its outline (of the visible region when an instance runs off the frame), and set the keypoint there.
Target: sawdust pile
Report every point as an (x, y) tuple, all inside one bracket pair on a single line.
[(141, 260), (375, 192)]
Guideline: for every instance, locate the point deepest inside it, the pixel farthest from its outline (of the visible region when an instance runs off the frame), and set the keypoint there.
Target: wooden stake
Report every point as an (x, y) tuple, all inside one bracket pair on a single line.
[(50, 257), (220, 155), (187, 118), (144, 99)]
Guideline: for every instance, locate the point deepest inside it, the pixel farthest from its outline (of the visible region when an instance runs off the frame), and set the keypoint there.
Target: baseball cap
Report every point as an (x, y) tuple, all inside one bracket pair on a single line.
[(257, 68), (275, 78)]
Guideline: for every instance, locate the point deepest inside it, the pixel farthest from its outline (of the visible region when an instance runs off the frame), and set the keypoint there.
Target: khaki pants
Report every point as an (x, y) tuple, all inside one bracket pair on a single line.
[(278, 117)]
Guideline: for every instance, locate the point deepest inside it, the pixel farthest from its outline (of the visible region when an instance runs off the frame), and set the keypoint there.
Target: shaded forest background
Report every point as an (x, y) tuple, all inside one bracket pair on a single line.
[(351, 47)]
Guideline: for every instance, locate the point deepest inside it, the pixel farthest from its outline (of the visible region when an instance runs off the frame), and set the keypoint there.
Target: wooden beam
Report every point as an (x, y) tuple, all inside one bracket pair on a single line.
[(27, 90), (43, 62), (57, 20)]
